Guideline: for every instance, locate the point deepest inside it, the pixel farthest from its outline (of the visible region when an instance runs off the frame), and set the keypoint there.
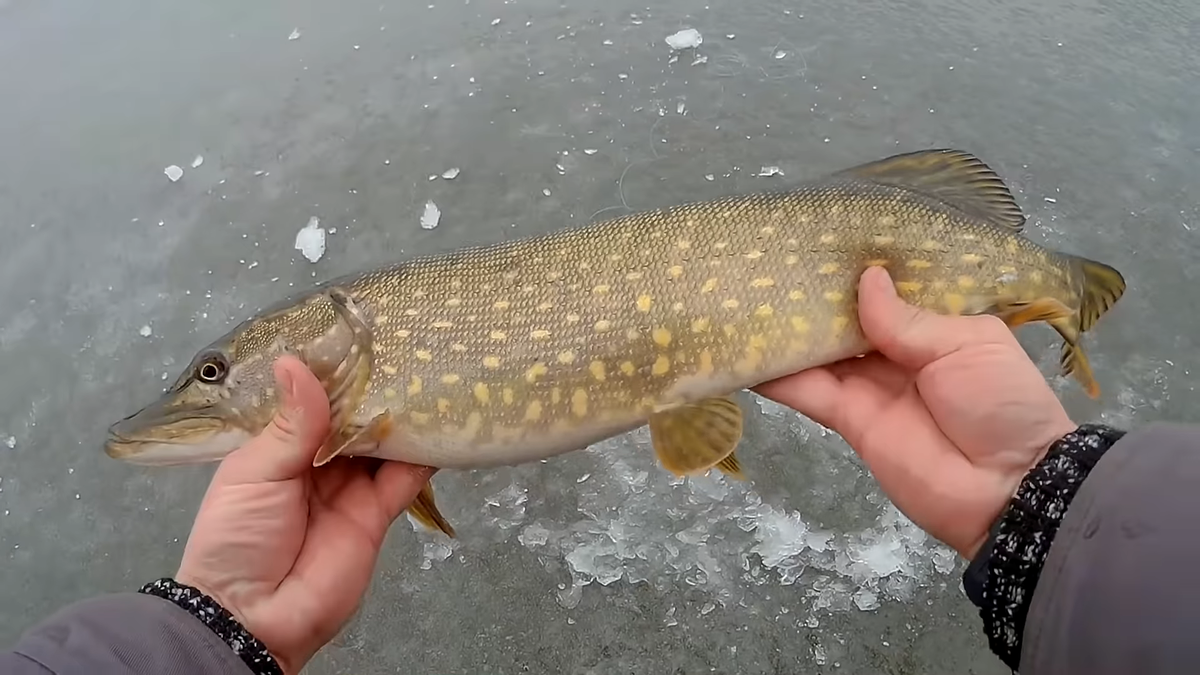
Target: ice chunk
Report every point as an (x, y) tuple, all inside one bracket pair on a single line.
[(495, 22), (685, 39), (590, 151), (699, 60), (295, 35), (709, 176), (431, 216), (145, 331), (780, 54), (546, 191), (534, 535), (11, 442), (198, 161), (768, 171), (451, 174), (310, 240), (435, 551), (866, 599), (173, 172)]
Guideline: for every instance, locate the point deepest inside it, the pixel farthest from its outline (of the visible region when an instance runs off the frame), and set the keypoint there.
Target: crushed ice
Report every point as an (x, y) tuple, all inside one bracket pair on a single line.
[(295, 34), (310, 240), (145, 331), (198, 161), (431, 215), (688, 38), (173, 173), (768, 171), (11, 442), (451, 174)]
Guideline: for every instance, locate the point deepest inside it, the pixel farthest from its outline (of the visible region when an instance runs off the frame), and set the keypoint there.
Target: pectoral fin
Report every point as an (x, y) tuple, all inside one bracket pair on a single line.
[(693, 438), (343, 440), (731, 467), (426, 512), (1043, 309)]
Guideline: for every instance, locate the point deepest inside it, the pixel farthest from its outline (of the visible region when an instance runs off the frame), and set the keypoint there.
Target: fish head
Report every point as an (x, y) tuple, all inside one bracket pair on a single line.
[(227, 393)]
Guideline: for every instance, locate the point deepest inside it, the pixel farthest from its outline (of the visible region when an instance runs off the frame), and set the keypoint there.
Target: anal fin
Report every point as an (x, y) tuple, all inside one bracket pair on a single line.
[(425, 511), (1075, 362), (342, 440), (693, 438), (1042, 309)]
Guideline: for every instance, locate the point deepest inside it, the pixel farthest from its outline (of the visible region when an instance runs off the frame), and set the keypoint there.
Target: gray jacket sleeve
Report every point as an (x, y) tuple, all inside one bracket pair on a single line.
[(1090, 570), (126, 634)]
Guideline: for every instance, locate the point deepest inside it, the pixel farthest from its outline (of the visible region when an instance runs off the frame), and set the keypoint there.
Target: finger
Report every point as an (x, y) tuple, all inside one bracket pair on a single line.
[(397, 485), (915, 337), (286, 447), (815, 393)]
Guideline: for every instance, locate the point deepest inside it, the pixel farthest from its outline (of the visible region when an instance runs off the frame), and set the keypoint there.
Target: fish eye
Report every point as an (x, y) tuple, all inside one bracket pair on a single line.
[(213, 369)]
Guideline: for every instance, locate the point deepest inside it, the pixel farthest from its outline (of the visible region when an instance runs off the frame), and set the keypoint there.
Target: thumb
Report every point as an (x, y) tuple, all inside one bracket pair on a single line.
[(286, 447), (911, 336)]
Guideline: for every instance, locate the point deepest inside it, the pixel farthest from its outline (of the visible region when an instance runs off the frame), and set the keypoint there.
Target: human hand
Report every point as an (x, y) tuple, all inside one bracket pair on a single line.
[(948, 414), (286, 548)]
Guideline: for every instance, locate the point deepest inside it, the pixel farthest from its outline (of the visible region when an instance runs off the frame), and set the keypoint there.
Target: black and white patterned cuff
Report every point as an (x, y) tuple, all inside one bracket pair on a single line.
[(1004, 574), (218, 619)]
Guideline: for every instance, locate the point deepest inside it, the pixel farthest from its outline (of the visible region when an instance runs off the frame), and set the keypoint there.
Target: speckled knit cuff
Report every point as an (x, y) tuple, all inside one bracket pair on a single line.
[(1026, 530), (218, 619)]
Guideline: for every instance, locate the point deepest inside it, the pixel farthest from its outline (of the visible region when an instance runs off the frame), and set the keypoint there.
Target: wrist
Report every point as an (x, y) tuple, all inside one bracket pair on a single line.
[(220, 620)]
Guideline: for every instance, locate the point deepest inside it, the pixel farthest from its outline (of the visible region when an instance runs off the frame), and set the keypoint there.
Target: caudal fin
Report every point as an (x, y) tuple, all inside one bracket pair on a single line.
[(1102, 287)]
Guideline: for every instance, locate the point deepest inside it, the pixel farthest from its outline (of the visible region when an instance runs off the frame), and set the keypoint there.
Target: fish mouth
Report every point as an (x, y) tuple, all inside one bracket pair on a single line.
[(162, 436)]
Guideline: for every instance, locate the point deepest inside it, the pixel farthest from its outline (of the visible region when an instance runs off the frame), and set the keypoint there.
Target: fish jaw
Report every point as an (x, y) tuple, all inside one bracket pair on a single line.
[(164, 434), (211, 448)]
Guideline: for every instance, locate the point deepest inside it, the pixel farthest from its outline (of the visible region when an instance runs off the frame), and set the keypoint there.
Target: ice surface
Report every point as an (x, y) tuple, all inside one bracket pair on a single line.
[(198, 161), (173, 173), (431, 215), (685, 39), (310, 240)]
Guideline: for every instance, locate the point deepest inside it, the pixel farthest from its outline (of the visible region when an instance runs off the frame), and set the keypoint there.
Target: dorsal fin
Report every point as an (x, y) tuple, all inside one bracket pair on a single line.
[(953, 176)]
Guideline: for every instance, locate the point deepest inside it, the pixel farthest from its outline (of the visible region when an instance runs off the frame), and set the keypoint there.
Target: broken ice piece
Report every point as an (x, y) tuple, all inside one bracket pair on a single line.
[(495, 22), (768, 171), (1050, 200), (310, 240), (780, 54), (145, 331), (295, 34), (11, 442), (708, 176), (260, 172), (589, 151), (699, 59), (622, 76), (680, 109), (173, 172), (198, 161), (546, 191), (431, 216), (451, 174), (607, 42), (684, 39)]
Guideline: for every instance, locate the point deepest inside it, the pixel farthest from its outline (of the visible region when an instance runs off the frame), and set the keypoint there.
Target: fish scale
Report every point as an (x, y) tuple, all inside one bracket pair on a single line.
[(527, 349)]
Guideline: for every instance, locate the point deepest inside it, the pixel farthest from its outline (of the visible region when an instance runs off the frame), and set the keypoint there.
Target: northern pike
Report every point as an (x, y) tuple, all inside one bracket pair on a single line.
[(517, 351)]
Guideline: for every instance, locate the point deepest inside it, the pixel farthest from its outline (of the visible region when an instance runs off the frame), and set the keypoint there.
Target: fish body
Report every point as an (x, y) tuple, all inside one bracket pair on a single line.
[(527, 349)]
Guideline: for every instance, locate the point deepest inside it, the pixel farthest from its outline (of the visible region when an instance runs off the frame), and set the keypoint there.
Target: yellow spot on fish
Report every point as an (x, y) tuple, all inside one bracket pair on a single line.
[(424, 355), (381, 319), (498, 335), (443, 324), (884, 240), (403, 334), (419, 293), (762, 282), (628, 368), (601, 289), (507, 395), (492, 362), (388, 392), (451, 378), (730, 329), (534, 411), (829, 268), (795, 295), (555, 395), (792, 259), (482, 394), (443, 405), (677, 307), (414, 386), (419, 418), (709, 286), (675, 271), (971, 258), (473, 424), (597, 369), (1011, 247), (731, 303), (553, 275), (545, 306), (579, 402), (918, 264), (754, 255), (799, 324), (662, 365), (662, 336), (758, 341), (834, 296), (931, 245), (683, 244), (501, 305), (966, 282), (566, 357), (539, 334), (634, 276), (828, 238), (835, 209), (573, 318), (388, 370), (454, 302), (955, 303), (701, 325), (644, 302), (632, 334), (411, 312), (535, 371), (878, 262), (909, 286), (458, 347), (615, 257), (839, 323), (886, 221), (603, 325), (764, 310), (706, 362), (1006, 269), (721, 245)]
